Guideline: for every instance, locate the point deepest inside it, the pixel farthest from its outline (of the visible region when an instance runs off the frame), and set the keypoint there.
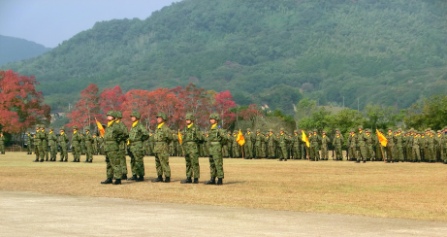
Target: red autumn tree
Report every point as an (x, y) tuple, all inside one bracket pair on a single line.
[(111, 99), (196, 101), (223, 102), (21, 106), (137, 100), (164, 100), (86, 109)]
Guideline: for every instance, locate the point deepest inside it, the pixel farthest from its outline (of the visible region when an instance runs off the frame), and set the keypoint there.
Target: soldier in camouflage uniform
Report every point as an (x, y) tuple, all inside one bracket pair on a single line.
[(352, 146), (29, 146), (44, 143), (113, 136), (248, 146), (191, 138), (236, 148), (361, 146), (282, 139), (122, 146), (398, 141), (338, 144), (138, 134), (2, 143), (390, 146), (259, 139), (216, 138), (88, 145), (324, 146), (314, 148), (95, 144), (63, 142), (369, 143), (52, 141), (76, 144), (271, 140), (296, 145), (37, 143), (162, 138)]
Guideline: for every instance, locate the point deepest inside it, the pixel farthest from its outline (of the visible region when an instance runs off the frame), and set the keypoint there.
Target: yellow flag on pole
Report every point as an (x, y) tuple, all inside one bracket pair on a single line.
[(101, 129), (382, 139), (240, 139), (304, 138), (180, 137)]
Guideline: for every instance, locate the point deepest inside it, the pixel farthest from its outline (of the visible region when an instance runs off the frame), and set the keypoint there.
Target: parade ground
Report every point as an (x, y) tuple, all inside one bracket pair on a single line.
[(259, 198)]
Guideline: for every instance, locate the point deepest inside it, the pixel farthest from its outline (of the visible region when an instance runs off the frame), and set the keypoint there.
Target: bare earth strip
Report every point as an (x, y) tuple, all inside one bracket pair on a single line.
[(31, 214), (258, 198)]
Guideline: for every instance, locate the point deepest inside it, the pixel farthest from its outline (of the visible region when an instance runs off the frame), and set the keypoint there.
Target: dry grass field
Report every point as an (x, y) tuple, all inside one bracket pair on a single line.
[(376, 189)]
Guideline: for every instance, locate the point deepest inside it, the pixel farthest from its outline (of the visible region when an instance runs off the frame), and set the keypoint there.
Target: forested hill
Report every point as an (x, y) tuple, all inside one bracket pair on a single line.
[(274, 52), (14, 49)]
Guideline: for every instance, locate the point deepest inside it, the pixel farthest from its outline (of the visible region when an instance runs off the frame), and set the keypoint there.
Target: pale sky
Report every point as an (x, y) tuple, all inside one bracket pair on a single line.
[(50, 22)]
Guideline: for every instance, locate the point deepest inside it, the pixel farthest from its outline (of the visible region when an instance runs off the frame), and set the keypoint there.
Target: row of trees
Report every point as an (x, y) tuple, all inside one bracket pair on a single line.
[(175, 102)]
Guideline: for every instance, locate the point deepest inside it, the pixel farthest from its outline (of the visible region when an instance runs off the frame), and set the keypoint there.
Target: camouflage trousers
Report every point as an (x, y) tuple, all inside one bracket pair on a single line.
[(76, 152), (216, 161), (64, 154), (192, 159), (136, 153), (161, 153), (113, 168), (89, 152), (53, 152)]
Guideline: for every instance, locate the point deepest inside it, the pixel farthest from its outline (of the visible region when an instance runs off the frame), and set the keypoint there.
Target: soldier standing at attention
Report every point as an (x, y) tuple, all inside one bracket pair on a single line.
[(138, 134), (37, 144), (271, 144), (29, 147), (390, 146), (259, 139), (76, 144), (315, 141), (324, 146), (296, 145), (63, 141), (112, 139), (52, 141), (248, 147), (369, 142), (44, 144), (282, 143), (162, 138), (338, 144), (191, 137), (2, 143), (216, 137), (88, 145), (122, 146), (362, 151), (398, 141), (352, 149)]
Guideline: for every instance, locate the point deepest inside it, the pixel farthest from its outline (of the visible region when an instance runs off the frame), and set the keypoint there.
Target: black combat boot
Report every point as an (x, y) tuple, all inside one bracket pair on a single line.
[(133, 178), (167, 179), (188, 180), (158, 179), (196, 181), (117, 181), (107, 181), (211, 181), (219, 181), (140, 179), (124, 177)]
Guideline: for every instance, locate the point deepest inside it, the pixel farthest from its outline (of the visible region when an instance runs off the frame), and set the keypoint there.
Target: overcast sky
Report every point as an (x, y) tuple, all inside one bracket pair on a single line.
[(50, 22)]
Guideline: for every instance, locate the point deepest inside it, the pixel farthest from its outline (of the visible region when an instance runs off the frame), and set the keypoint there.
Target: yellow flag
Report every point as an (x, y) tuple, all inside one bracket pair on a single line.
[(101, 129), (180, 137), (382, 139), (240, 139), (304, 138)]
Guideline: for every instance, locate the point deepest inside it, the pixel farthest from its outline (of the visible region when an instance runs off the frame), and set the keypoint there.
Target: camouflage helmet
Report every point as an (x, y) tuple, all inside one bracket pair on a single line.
[(111, 113), (135, 114), (189, 116), (62, 128), (86, 129), (162, 115), (75, 127), (119, 114), (214, 116)]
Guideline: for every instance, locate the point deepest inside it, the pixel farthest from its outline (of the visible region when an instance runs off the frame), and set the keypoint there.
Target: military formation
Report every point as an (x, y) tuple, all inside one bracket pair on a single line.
[(360, 145)]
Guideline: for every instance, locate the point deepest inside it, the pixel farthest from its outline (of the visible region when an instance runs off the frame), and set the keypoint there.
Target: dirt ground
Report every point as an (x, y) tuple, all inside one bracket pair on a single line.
[(32, 214)]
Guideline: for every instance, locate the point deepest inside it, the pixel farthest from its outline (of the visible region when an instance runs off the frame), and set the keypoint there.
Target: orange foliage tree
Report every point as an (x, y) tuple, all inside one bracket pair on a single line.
[(21, 106)]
